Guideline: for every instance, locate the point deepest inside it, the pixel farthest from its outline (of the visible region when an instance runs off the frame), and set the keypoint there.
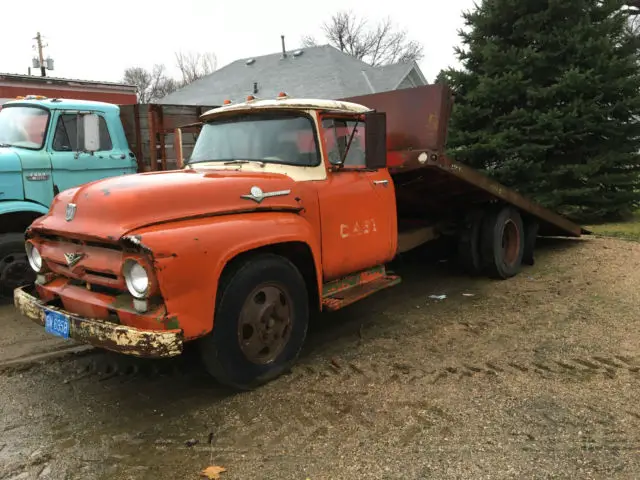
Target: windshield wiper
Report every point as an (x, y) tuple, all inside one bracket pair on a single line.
[(230, 161), (5, 145), (239, 162)]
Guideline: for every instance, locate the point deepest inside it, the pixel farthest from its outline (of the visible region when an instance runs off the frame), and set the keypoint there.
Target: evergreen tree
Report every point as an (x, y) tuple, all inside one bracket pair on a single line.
[(548, 102), (442, 77)]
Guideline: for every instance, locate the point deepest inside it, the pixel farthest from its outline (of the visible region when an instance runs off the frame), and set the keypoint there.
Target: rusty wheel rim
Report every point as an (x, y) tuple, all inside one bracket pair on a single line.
[(510, 242), (265, 322)]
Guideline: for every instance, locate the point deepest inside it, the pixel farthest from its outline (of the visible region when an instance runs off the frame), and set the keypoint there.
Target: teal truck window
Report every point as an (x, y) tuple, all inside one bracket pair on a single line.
[(23, 127), (67, 138)]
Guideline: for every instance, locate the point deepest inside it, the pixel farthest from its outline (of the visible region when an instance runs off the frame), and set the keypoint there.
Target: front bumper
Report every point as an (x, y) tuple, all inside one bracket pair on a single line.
[(102, 334)]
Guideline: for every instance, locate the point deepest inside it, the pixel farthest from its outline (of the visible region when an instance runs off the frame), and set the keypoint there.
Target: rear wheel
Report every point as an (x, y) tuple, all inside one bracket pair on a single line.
[(14, 266), (260, 322), (502, 243), (469, 242), (531, 227)]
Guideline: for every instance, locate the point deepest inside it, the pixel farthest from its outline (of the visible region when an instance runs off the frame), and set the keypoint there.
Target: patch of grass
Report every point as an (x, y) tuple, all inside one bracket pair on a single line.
[(628, 230)]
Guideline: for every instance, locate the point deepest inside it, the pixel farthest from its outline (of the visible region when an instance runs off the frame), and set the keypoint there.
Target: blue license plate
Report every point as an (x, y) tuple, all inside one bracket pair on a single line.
[(56, 324)]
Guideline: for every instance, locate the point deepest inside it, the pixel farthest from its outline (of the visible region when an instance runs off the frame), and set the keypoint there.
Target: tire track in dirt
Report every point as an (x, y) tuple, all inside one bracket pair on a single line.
[(328, 394), (337, 405), (334, 414), (334, 384), (399, 372)]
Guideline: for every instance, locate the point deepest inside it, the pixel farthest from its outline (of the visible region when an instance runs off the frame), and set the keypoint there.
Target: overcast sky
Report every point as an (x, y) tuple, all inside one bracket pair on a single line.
[(98, 40)]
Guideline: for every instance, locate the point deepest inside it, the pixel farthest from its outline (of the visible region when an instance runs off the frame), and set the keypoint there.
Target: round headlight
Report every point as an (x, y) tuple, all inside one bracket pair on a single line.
[(34, 257), (136, 278)]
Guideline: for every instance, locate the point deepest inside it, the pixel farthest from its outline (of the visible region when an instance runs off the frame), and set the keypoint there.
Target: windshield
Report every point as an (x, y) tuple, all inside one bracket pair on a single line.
[(23, 126), (270, 138)]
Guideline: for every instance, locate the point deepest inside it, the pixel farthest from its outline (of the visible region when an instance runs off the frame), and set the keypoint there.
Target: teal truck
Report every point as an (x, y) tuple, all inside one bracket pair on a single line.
[(44, 150)]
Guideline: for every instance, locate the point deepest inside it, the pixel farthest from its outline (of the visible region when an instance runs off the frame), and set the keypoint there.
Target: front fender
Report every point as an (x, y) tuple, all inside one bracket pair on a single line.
[(189, 257), (13, 206)]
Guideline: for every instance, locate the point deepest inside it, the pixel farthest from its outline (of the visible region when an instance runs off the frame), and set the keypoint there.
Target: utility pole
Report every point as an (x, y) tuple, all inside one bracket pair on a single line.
[(43, 70)]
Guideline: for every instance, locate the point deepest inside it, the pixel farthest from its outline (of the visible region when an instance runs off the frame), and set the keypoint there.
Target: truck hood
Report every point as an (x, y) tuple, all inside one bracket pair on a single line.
[(108, 209), (10, 175)]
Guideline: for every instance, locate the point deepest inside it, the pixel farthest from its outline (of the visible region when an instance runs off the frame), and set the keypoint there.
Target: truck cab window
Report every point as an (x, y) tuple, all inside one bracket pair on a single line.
[(23, 127), (68, 139), (337, 133)]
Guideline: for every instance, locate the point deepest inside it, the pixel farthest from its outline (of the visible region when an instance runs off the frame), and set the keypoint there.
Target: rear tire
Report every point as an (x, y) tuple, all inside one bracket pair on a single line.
[(260, 323), (531, 227), (469, 243), (14, 266), (502, 243)]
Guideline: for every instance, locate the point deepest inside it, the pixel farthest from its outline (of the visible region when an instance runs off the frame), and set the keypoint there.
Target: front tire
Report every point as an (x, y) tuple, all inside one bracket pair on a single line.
[(14, 266), (260, 322)]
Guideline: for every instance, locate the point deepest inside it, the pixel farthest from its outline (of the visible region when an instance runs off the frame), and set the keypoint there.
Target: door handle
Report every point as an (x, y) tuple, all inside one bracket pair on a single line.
[(381, 182), (117, 156)]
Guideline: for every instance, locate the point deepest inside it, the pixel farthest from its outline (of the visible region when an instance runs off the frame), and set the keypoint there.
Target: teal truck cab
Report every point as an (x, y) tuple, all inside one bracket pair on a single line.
[(44, 150)]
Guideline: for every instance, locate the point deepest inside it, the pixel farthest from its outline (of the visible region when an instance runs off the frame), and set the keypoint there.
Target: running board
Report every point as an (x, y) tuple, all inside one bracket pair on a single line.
[(348, 290)]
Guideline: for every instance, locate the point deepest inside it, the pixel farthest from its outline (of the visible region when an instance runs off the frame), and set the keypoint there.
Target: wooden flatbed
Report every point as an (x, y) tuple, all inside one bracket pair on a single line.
[(151, 132)]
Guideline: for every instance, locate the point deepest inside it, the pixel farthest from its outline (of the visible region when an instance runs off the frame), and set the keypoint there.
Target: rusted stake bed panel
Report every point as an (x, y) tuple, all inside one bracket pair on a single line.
[(428, 184)]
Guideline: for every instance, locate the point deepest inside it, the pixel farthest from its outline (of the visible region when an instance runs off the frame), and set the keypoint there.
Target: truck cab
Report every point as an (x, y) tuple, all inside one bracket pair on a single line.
[(43, 152)]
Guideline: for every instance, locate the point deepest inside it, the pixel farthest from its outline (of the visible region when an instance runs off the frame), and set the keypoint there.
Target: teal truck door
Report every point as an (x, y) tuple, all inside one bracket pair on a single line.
[(36, 176), (24, 128), (71, 166)]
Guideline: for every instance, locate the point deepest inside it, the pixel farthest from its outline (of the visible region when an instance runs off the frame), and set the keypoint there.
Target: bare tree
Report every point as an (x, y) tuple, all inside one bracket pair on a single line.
[(161, 84), (155, 84), (152, 85), (381, 44), (194, 65), (141, 78)]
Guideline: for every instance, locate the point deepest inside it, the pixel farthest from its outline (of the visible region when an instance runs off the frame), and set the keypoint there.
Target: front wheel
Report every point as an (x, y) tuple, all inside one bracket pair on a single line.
[(14, 266), (260, 322)]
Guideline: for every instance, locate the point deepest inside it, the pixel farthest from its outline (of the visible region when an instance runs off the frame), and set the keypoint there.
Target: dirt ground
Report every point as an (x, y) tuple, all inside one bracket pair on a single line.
[(535, 377), (24, 341)]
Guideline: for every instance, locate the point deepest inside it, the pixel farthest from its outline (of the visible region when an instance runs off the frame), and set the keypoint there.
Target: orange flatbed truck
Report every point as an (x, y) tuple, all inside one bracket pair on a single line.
[(284, 206)]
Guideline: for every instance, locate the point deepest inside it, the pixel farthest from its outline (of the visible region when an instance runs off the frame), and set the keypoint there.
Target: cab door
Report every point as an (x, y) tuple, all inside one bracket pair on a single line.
[(36, 163), (71, 166), (357, 206)]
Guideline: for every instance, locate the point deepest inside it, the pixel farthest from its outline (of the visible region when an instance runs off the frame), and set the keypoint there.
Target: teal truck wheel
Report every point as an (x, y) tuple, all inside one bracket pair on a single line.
[(14, 266)]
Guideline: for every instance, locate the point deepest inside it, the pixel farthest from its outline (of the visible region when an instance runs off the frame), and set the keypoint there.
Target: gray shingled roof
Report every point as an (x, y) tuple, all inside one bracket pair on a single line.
[(317, 72)]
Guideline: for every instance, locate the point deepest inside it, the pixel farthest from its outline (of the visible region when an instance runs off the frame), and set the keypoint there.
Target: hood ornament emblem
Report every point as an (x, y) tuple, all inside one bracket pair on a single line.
[(257, 195), (71, 211), (73, 258)]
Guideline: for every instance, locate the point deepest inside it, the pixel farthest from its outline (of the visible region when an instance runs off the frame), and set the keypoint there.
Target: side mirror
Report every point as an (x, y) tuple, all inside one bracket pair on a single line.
[(91, 127), (375, 140)]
